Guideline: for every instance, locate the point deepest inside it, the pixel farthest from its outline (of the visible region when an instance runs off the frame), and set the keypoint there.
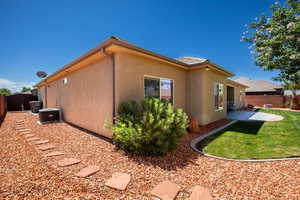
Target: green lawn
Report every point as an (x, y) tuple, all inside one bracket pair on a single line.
[(244, 140)]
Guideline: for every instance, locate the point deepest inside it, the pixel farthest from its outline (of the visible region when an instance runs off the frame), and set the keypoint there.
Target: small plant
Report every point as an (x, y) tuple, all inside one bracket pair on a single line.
[(152, 127)]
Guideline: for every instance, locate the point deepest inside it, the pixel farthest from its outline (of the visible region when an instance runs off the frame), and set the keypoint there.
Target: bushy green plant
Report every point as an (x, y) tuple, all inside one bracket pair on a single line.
[(152, 127)]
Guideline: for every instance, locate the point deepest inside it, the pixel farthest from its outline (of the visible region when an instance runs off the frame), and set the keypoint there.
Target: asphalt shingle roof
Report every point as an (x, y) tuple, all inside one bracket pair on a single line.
[(258, 85)]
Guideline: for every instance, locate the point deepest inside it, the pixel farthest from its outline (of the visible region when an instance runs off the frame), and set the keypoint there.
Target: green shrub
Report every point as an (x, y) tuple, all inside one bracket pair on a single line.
[(152, 127)]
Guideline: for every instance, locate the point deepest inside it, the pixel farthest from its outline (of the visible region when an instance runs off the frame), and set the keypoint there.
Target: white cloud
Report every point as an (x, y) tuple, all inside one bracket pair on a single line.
[(14, 86)]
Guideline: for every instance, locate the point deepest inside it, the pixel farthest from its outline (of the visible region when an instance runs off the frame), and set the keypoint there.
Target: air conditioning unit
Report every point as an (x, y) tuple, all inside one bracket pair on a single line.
[(49, 115)]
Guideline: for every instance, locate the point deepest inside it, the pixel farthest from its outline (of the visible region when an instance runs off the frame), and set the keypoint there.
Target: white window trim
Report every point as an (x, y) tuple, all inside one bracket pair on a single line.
[(157, 77), (221, 108)]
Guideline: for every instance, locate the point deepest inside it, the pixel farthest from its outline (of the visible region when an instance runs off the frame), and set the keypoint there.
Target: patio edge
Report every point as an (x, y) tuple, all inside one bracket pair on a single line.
[(195, 141)]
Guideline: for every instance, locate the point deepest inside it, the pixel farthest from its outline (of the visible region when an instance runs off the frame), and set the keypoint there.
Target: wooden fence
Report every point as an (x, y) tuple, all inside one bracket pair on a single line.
[(277, 101), (2, 108), (20, 102)]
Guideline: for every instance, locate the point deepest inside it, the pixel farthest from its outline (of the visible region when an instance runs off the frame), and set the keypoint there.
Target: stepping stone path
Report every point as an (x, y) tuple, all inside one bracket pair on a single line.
[(165, 190), (45, 147), (54, 153), (33, 139), (199, 192), (67, 162), (42, 142), (25, 132), (87, 171), (28, 135), (118, 181)]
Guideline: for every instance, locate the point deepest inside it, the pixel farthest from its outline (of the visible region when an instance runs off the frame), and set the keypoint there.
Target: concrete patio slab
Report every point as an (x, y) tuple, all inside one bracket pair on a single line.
[(67, 162), (54, 153), (200, 193), (45, 147), (41, 142), (165, 190), (87, 171), (118, 181), (253, 116), (32, 139)]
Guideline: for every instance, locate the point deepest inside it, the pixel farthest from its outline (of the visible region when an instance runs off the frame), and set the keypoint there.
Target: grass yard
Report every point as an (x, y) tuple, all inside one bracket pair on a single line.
[(257, 140)]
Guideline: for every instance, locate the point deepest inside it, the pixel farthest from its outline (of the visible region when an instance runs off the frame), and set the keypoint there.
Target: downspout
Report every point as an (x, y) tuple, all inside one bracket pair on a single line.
[(46, 96), (112, 56)]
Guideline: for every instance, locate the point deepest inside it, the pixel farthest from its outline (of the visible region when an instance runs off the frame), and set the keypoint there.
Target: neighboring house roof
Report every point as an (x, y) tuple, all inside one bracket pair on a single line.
[(115, 41), (258, 85), (232, 82)]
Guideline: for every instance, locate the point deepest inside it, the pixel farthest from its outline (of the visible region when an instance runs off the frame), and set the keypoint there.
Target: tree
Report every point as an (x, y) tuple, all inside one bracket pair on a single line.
[(5, 91), (275, 41), (25, 89)]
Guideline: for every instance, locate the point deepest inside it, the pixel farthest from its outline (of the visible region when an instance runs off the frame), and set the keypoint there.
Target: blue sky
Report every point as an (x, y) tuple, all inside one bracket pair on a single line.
[(45, 35)]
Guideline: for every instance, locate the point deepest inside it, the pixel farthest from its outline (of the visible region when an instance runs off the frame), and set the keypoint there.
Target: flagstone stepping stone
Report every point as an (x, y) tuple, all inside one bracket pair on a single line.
[(87, 171), (29, 135), (199, 192), (33, 139), (118, 181), (54, 153), (165, 190), (42, 142), (45, 147), (67, 162), (24, 132)]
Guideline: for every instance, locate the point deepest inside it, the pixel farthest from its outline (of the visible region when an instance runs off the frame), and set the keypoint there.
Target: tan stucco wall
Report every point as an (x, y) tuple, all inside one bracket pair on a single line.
[(41, 94), (239, 99), (130, 72), (86, 100), (200, 99)]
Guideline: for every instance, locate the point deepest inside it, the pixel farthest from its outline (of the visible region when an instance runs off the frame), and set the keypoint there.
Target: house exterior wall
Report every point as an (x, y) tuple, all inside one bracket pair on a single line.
[(239, 96), (86, 100), (209, 113), (200, 95), (195, 95), (41, 95), (130, 72)]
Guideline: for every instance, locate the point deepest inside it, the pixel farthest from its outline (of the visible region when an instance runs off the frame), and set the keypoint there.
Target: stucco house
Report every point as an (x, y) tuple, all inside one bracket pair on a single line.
[(89, 89)]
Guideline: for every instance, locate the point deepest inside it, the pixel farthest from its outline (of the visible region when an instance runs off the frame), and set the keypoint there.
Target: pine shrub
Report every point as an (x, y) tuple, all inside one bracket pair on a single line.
[(152, 127)]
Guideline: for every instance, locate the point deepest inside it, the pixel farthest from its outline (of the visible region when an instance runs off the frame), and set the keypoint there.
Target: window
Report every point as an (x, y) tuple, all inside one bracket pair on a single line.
[(219, 96), (65, 80), (159, 88)]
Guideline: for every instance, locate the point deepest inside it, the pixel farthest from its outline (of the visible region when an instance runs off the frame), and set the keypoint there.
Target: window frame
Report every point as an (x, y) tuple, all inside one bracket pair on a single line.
[(160, 78), (214, 99)]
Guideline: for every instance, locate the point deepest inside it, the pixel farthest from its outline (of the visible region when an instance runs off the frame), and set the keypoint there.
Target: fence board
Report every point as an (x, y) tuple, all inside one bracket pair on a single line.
[(2, 108), (277, 101)]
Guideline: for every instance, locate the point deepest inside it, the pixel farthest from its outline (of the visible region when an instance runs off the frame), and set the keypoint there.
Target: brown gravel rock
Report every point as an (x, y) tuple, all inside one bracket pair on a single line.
[(32, 139), (26, 174), (54, 153)]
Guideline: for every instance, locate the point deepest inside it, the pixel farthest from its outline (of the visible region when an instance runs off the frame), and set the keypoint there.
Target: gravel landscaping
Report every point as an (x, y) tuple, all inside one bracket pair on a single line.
[(26, 173)]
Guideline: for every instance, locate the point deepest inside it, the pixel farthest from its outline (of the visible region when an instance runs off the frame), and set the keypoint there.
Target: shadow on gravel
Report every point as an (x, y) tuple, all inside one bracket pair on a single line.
[(180, 158)]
